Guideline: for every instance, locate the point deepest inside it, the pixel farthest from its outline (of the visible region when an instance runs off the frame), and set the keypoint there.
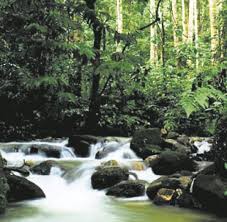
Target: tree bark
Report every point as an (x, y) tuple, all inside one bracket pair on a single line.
[(213, 27), (153, 48), (190, 21), (93, 116), (175, 22), (196, 32), (184, 22), (119, 21)]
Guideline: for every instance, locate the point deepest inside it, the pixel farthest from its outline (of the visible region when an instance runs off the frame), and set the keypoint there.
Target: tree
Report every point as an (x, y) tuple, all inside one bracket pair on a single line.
[(175, 22), (191, 21), (153, 48), (184, 21), (213, 28), (119, 21)]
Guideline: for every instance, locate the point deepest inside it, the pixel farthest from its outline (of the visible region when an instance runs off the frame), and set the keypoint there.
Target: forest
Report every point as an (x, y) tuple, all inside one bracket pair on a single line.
[(145, 79)]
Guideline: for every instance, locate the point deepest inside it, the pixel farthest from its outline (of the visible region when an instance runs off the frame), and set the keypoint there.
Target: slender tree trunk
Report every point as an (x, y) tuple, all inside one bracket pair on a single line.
[(175, 22), (153, 48), (196, 33), (119, 21), (184, 22), (190, 21), (213, 27)]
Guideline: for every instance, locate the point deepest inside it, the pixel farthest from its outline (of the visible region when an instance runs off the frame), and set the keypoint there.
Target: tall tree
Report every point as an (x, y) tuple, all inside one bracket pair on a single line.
[(191, 21), (196, 31), (213, 27), (184, 22), (153, 47), (175, 22), (119, 21)]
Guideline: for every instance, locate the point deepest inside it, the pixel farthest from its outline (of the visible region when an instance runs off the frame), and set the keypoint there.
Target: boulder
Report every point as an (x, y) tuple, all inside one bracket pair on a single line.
[(43, 168), (49, 150), (154, 187), (168, 182), (186, 200), (176, 146), (211, 192), (147, 142), (81, 144), (22, 189), (165, 197), (171, 162), (109, 148), (132, 188), (172, 135), (151, 160), (108, 176), (3, 188)]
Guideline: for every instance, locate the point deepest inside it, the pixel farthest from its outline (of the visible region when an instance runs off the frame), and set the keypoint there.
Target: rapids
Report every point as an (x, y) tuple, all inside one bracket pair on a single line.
[(75, 200)]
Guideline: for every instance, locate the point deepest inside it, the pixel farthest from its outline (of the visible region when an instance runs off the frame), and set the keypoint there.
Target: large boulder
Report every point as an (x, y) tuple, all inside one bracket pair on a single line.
[(210, 191), (173, 182), (108, 177), (22, 189), (107, 149), (220, 146), (171, 162), (147, 142), (132, 188), (81, 144), (3, 188)]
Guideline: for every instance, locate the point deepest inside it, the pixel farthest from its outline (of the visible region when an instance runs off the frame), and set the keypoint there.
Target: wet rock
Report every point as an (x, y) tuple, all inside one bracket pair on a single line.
[(147, 142), (186, 200), (127, 189), (176, 146), (154, 187), (106, 150), (210, 191), (49, 150), (165, 197), (43, 168), (108, 176), (171, 162), (81, 144), (110, 163), (137, 166), (3, 188), (152, 160), (22, 189), (172, 135), (183, 139)]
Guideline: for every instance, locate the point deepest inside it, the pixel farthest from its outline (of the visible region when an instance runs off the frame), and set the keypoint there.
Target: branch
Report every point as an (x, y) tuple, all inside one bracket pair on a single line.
[(105, 85), (157, 19)]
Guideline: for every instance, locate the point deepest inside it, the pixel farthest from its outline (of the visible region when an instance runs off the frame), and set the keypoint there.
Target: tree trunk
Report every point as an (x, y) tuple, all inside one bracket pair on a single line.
[(213, 27), (119, 21), (190, 21), (184, 22), (153, 48), (196, 33), (93, 116), (175, 22)]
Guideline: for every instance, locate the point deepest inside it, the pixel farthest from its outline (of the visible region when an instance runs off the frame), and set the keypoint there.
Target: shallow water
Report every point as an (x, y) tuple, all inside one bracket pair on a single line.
[(74, 200)]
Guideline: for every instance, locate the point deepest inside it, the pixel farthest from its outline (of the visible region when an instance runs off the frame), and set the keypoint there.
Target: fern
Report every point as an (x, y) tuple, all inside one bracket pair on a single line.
[(195, 101)]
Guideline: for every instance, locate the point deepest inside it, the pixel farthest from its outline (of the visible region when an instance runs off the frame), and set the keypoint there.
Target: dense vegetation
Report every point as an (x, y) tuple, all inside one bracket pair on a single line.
[(72, 64)]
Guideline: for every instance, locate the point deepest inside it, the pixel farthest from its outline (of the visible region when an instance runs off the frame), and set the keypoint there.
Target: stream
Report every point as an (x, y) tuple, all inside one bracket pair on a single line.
[(70, 197)]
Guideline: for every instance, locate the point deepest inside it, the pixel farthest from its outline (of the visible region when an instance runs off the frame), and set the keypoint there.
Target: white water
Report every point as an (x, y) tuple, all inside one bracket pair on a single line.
[(75, 200), (203, 147)]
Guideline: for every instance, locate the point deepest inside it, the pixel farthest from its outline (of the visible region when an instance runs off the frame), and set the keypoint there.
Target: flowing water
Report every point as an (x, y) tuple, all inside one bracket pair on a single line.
[(70, 197)]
